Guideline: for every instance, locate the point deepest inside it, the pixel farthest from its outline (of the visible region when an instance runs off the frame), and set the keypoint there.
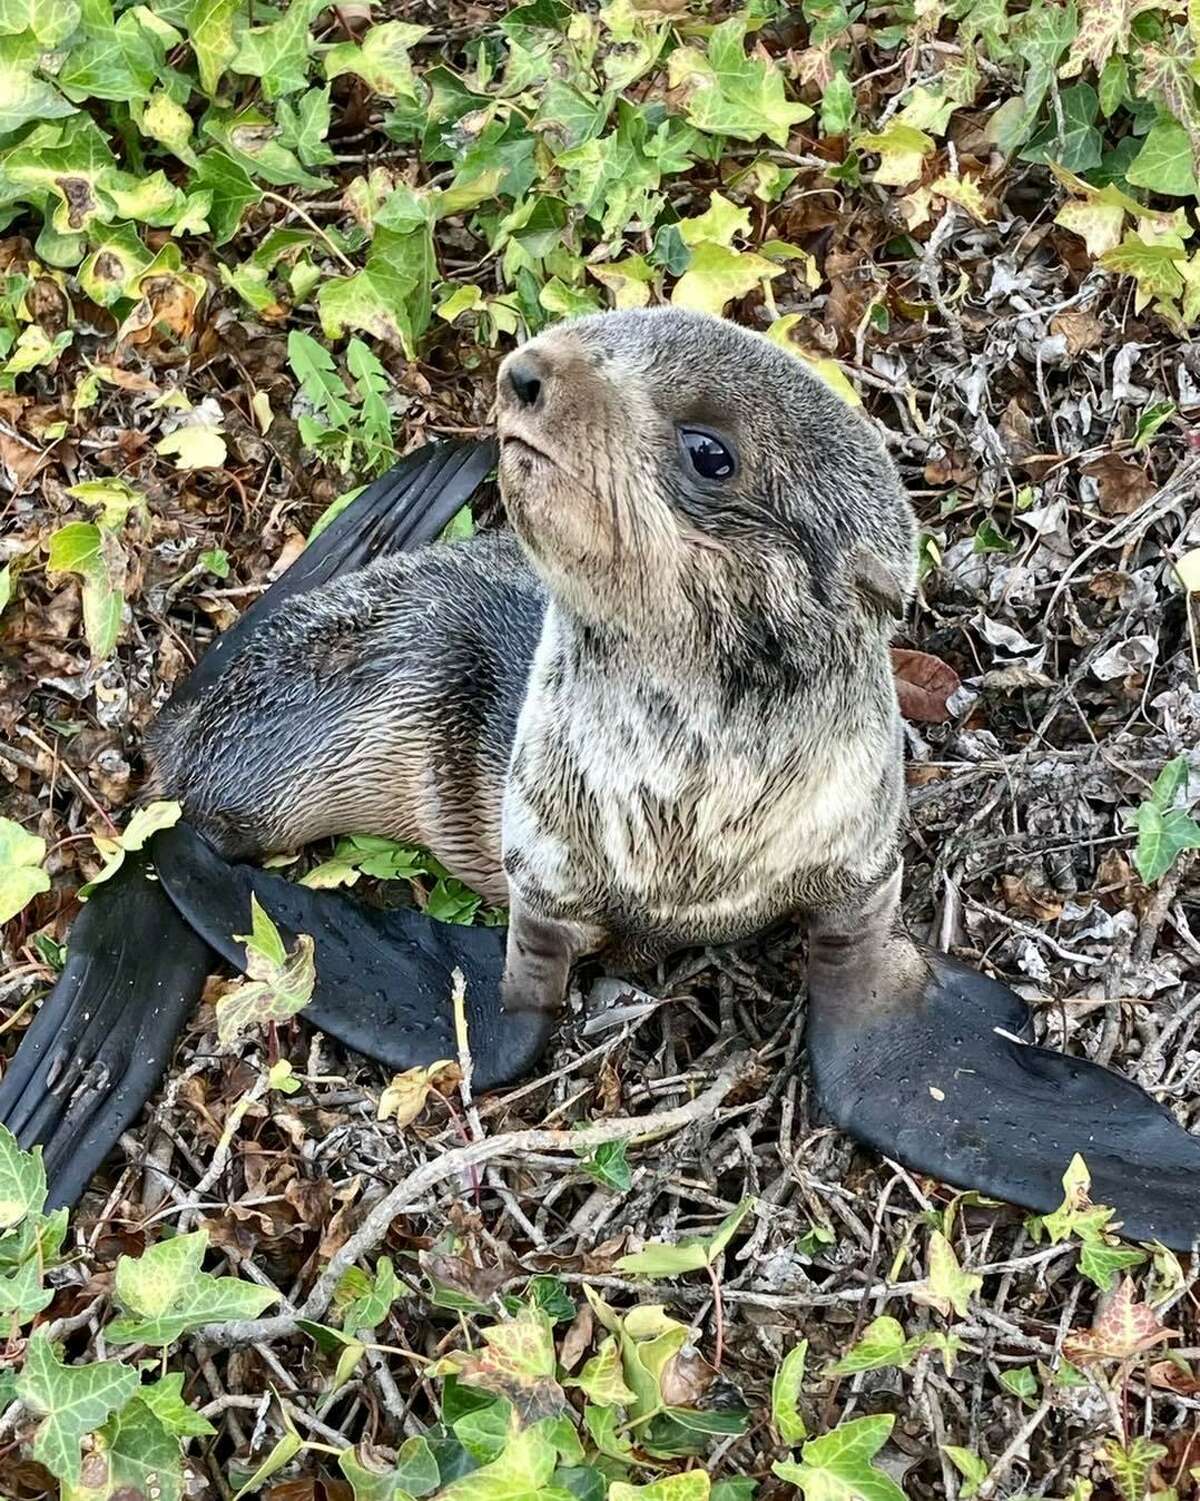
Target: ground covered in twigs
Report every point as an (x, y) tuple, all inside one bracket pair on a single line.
[(249, 254)]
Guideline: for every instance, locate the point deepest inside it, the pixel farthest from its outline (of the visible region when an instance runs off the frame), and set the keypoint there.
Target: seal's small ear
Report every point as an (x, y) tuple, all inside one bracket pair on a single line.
[(879, 587)]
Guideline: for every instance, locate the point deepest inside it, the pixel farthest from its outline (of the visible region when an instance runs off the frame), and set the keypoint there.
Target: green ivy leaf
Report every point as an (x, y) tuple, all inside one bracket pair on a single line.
[(95, 554), (1101, 1264), (134, 1454), (601, 1379), (1022, 1382), (50, 21), (164, 1398), (969, 1465), (785, 1395), (948, 1289), (731, 94), (71, 1400), (304, 125), (165, 1293), (609, 1166), (21, 879), (837, 1466), (717, 275), (1164, 831), (118, 61), (1165, 162), (145, 823), (24, 96), (659, 1260), (382, 61), (522, 1470), (391, 297), (164, 120), (231, 192), (1114, 86), (278, 53), (22, 1295), (369, 1310), (1074, 142), (210, 29), (883, 1345)]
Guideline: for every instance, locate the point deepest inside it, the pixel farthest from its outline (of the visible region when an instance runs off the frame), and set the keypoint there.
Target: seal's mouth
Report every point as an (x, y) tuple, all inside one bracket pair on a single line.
[(517, 444)]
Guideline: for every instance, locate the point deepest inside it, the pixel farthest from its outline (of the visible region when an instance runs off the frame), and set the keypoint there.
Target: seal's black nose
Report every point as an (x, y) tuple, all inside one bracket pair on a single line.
[(526, 379)]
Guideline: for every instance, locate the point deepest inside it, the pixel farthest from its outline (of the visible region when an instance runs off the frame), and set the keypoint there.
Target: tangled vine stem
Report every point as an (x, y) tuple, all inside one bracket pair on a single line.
[(512, 1143)]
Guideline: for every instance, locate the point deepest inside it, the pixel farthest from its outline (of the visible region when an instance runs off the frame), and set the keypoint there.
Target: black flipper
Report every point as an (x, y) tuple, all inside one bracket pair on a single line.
[(103, 1037), (936, 1086), (406, 508), (384, 979)]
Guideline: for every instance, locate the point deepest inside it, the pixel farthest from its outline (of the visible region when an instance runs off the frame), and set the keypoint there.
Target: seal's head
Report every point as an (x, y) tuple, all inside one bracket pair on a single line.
[(665, 468)]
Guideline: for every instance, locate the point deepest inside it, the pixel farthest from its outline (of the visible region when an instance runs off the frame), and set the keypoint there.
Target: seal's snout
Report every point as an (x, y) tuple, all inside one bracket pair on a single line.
[(526, 378)]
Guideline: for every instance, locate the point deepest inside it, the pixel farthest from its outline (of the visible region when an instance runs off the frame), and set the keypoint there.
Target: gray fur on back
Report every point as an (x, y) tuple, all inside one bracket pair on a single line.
[(668, 714)]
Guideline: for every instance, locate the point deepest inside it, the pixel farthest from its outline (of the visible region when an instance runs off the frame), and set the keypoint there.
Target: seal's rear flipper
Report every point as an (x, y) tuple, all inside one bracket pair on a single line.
[(406, 508), (104, 1035), (384, 979), (940, 1084)]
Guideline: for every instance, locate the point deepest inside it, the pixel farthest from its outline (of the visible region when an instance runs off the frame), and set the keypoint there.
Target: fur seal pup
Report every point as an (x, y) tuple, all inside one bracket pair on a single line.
[(659, 713)]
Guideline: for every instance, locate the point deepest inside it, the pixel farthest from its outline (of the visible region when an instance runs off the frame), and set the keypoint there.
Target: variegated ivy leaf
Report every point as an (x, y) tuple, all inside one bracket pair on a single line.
[(165, 1293), (71, 1401), (729, 92), (1104, 27), (837, 1466), (279, 983)]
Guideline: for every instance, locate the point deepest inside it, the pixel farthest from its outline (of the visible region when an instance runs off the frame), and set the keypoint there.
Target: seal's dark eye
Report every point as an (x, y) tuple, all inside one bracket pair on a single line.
[(710, 457)]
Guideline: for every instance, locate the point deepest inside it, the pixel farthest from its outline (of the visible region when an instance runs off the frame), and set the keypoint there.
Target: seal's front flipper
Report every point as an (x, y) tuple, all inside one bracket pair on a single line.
[(406, 508), (384, 979), (921, 1059), (103, 1037)]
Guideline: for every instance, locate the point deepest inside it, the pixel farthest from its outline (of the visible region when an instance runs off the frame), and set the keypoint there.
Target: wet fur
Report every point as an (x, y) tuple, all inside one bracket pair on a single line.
[(665, 717)]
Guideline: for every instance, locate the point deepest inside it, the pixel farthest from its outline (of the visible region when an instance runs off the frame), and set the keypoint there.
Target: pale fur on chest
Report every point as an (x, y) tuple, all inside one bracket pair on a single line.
[(668, 809)]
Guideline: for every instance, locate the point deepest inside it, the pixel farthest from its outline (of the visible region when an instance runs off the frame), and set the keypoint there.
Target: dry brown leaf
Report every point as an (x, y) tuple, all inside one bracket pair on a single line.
[(1122, 487), (1020, 896), (923, 684), (577, 1338), (1082, 330), (406, 1096), (685, 1379)]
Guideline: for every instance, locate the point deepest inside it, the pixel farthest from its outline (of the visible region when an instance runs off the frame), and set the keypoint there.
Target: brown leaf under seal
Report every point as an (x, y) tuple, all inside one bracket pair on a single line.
[(923, 684)]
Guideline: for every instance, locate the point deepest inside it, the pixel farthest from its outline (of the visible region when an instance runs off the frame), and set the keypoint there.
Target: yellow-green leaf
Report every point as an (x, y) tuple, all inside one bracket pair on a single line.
[(837, 1466), (948, 1289), (196, 446), (279, 984), (716, 275), (21, 875), (785, 1395), (901, 149)]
